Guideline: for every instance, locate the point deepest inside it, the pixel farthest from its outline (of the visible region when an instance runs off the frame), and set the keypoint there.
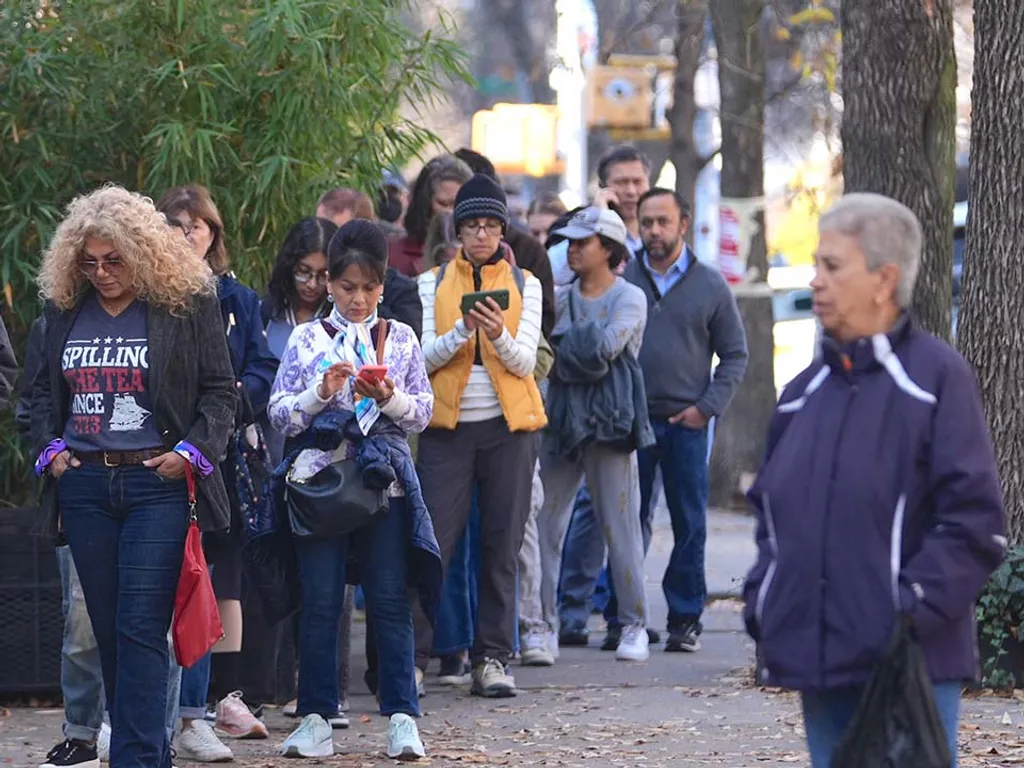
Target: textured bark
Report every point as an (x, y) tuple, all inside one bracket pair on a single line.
[(682, 152), (991, 328), (739, 435), (899, 127)]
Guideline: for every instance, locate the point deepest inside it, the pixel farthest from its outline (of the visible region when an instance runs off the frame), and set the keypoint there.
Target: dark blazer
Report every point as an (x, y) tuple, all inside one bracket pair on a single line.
[(254, 365), (192, 387), (402, 301), (531, 254)]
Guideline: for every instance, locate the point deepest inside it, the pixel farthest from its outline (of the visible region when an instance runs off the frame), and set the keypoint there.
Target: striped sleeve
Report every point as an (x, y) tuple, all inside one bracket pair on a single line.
[(519, 354), (438, 350)]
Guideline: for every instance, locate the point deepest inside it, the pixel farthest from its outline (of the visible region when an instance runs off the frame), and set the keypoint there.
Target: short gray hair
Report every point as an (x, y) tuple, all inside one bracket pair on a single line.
[(887, 232)]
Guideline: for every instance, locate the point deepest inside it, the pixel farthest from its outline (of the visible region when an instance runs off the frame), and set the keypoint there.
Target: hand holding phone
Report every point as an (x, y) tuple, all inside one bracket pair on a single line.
[(606, 198), (373, 373)]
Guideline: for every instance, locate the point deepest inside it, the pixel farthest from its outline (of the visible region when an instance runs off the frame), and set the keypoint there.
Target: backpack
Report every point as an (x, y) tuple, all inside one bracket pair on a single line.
[(545, 353)]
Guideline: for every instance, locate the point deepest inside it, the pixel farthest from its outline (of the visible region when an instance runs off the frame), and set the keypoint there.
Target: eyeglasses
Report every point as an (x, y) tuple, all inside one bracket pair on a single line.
[(304, 277), (90, 267), (475, 228)]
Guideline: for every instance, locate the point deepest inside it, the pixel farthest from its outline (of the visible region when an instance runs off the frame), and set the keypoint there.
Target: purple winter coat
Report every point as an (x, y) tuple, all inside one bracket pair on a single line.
[(878, 495)]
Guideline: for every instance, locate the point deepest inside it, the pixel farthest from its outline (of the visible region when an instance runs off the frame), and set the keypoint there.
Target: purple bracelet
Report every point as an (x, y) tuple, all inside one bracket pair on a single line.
[(195, 457), (49, 453)]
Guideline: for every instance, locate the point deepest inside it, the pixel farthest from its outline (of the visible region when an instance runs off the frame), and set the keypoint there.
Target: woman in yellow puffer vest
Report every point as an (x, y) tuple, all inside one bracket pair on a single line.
[(488, 413)]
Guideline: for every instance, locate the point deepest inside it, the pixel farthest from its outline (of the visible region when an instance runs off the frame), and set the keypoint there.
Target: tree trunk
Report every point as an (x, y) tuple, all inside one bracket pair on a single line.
[(682, 151), (899, 127), (739, 435), (991, 327)]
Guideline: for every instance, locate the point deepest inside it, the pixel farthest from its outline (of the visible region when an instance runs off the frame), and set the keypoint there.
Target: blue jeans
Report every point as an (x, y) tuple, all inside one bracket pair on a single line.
[(456, 615), (682, 454), (126, 527), (382, 552), (827, 714), (81, 673), (195, 687), (583, 559)]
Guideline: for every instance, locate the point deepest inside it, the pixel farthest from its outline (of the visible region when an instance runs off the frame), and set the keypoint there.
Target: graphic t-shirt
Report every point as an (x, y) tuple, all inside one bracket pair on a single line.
[(106, 365)]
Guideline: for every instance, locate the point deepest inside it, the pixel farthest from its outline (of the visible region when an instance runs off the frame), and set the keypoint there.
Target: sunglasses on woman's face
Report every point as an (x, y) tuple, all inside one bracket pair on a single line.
[(303, 277), (89, 267)]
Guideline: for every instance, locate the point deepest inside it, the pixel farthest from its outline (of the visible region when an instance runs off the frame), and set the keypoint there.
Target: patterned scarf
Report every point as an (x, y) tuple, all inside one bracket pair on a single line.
[(353, 344)]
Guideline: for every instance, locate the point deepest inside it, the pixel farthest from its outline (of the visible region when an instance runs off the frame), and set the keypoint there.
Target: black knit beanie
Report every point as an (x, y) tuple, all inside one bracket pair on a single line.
[(481, 198)]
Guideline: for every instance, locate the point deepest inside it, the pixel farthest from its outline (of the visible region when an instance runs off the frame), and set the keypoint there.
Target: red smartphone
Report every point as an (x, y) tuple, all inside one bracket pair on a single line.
[(374, 373)]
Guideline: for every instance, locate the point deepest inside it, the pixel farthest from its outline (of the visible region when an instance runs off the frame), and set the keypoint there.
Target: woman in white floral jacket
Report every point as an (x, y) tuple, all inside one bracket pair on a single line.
[(318, 372)]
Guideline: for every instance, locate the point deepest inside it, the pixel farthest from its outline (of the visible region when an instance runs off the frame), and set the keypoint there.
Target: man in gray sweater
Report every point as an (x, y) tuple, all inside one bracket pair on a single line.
[(692, 316)]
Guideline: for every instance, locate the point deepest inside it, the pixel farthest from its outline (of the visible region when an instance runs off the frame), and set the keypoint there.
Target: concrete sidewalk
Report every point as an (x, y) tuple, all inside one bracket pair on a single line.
[(675, 711)]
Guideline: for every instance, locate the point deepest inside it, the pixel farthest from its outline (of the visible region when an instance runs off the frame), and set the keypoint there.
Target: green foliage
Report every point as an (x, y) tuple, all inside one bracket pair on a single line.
[(268, 103), (1000, 613)]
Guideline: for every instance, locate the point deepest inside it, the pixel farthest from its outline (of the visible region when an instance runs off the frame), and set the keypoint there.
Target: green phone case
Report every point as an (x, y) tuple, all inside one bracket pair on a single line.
[(469, 300)]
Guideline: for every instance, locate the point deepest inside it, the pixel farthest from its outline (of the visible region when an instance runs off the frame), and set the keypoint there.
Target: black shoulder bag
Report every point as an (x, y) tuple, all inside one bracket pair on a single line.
[(335, 501)]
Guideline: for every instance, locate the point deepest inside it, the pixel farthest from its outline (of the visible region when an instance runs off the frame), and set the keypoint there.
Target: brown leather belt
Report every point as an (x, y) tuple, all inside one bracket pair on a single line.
[(118, 458)]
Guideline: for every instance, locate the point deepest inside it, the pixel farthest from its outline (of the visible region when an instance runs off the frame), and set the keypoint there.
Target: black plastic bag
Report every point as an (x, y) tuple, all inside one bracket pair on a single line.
[(897, 724)]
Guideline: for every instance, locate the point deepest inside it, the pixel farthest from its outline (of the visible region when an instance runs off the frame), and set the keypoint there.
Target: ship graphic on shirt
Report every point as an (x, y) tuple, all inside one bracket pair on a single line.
[(128, 415)]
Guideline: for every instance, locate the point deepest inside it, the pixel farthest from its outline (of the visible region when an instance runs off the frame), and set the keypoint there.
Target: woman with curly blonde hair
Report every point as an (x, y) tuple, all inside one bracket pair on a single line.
[(135, 387)]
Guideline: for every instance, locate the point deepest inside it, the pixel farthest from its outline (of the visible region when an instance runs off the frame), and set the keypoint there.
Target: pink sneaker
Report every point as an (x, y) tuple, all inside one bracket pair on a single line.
[(235, 720)]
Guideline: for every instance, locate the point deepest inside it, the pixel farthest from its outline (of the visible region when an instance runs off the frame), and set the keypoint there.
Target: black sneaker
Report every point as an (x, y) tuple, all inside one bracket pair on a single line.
[(653, 637), (683, 639), (573, 635), (455, 670), (72, 752), (612, 639)]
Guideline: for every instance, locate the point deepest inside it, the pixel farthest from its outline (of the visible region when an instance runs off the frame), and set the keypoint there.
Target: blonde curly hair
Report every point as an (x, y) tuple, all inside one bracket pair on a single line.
[(159, 262)]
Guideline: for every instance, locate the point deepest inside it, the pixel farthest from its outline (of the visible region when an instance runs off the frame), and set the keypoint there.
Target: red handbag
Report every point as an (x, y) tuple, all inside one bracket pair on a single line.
[(196, 626)]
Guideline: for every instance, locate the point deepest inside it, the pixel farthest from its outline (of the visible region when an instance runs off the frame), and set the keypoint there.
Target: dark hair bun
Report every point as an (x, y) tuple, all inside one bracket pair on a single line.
[(357, 242)]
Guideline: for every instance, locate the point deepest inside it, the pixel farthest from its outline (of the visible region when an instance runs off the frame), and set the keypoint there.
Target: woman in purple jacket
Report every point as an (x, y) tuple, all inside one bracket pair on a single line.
[(879, 495)]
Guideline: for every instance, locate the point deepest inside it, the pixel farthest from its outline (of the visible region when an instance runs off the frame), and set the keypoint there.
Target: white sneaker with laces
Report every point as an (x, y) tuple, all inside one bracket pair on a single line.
[(634, 644), (492, 680), (404, 739), (103, 744), (313, 738), (535, 649), (198, 743)]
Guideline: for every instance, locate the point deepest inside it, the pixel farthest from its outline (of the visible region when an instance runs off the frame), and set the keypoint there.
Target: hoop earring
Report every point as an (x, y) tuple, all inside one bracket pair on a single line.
[(330, 298), (380, 299)]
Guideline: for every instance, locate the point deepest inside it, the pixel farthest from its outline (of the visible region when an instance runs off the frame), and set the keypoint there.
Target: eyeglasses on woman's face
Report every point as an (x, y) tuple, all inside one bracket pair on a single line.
[(112, 265), (488, 227), (303, 276)]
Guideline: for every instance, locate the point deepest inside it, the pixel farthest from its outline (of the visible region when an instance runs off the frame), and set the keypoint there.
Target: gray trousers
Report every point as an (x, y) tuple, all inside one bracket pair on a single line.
[(531, 611), (614, 483)]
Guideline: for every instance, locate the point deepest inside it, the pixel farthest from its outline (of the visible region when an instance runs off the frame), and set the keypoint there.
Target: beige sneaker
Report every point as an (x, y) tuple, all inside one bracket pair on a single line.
[(236, 721), (492, 680)]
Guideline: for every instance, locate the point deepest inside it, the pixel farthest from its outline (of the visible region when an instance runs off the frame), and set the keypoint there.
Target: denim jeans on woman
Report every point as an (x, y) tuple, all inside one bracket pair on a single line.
[(126, 527), (382, 553), (827, 714)]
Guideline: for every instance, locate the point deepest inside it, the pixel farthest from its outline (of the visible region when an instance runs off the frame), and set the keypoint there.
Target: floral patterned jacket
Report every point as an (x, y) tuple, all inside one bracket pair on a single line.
[(294, 401)]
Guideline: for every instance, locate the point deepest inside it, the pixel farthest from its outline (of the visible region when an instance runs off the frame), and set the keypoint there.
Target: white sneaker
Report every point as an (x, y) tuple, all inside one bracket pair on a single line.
[(492, 680), (200, 744), (313, 738), (535, 649), (633, 646), (103, 744), (404, 739), (553, 644)]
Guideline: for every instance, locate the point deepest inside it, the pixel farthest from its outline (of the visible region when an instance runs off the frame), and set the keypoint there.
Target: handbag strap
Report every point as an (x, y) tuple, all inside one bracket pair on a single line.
[(382, 335), (190, 483)]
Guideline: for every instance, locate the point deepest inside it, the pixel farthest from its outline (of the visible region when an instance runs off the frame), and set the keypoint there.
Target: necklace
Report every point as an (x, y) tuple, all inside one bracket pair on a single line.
[(115, 311)]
